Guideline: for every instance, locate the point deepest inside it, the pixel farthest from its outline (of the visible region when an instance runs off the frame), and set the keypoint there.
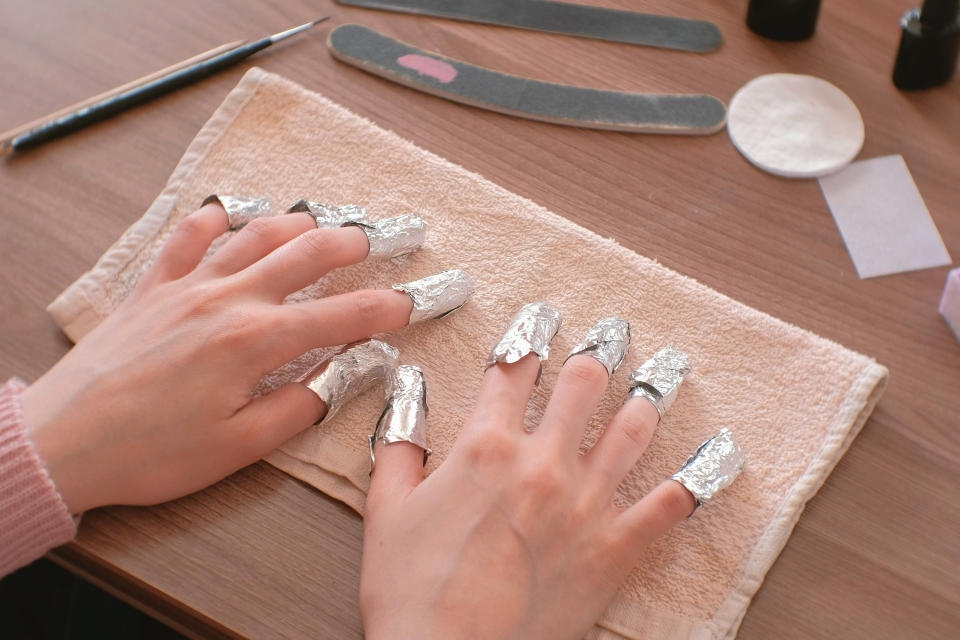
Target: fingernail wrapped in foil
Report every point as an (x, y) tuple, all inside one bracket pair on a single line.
[(241, 210), (606, 342), (530, 331), (330, 216), (345, 375), (404, 419), (437, 295), (393, 237), (659, 378), (714, 466)]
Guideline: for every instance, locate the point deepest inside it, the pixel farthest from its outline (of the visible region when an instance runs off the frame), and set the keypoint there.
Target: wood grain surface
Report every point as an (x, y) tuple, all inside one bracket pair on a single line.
[(261, 555)]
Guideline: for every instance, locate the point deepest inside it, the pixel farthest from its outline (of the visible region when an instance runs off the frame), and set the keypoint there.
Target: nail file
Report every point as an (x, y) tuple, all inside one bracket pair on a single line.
[(691, 114), (630, 27)]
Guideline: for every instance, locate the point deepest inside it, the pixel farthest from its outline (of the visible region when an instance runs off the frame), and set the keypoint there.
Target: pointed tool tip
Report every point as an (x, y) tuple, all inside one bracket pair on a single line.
[(292, 32)]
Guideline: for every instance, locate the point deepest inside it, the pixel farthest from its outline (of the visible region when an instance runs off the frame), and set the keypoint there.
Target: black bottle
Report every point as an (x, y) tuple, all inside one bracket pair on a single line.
[(929, 45), (783, 19)]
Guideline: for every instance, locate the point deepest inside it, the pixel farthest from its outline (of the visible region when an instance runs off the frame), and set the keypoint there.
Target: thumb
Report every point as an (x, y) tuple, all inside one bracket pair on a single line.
[(399, 443)]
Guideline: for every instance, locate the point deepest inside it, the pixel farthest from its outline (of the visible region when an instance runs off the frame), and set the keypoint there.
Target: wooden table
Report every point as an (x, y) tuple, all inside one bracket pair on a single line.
[(261, 555)]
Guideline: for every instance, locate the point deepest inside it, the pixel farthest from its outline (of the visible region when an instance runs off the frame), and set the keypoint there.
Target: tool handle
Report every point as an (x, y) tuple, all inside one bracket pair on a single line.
[(115, 104)]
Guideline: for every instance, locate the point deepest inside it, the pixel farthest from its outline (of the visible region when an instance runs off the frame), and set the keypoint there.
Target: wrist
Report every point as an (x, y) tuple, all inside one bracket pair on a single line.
[(57, 449)]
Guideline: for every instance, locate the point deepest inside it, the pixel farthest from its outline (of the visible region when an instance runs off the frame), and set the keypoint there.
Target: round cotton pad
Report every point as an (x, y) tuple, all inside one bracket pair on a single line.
[(795, 126)]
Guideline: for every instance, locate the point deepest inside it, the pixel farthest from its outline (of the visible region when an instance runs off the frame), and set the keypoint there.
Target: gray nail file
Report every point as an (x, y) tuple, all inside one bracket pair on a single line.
[(569, 19), (692, 114)]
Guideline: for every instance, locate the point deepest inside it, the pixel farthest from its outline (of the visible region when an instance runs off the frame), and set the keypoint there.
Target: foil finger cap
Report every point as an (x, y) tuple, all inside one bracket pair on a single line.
[(530, 331), (438, 295), (404, 418), (352, 370), (659, 378), (241, 210), (330, 216), (715, 465), (393, 237), (607, 342)]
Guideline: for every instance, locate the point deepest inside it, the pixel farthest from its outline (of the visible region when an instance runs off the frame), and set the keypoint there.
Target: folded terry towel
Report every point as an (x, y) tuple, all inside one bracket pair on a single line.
[(793, 399)]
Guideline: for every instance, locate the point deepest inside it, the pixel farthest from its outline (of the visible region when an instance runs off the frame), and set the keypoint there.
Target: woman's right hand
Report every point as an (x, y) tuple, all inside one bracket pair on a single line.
[(515, 535)]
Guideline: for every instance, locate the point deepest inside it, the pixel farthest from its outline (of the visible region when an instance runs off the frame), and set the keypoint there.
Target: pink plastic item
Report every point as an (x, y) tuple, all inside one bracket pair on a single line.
[(950, 302)]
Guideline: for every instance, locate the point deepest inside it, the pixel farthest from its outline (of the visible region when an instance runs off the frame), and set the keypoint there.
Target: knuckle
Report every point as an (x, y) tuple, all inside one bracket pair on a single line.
[(207, 299), (491, 448), (236, 327), (586, 370), (259, 227), (369, 306), (252, 441), (318, 242), (635, 429), (197, 224), (542, 479), (675, 503)]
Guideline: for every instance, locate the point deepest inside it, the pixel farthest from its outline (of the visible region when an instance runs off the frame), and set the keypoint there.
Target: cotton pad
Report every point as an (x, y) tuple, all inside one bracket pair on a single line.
[(795, 126)]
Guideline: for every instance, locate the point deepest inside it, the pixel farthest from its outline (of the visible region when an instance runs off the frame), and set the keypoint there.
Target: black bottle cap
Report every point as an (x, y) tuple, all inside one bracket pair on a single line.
[(783, 19), (929, 45)]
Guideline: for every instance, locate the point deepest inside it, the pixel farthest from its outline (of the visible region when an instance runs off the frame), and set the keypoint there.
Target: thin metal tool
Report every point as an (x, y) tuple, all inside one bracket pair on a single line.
[(137, 92)]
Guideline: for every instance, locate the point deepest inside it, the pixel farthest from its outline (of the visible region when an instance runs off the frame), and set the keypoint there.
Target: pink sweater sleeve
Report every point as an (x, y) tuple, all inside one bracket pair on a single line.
[(33, 516)]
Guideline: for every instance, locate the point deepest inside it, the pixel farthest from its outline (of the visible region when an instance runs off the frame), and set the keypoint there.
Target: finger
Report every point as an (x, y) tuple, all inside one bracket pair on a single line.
[(654, 515), (268, 421), (256, 240), (188, 244), (398, 471), (578, 391), (508, 383), (326, 322), (306, 259), (621, 445), (505, 392)]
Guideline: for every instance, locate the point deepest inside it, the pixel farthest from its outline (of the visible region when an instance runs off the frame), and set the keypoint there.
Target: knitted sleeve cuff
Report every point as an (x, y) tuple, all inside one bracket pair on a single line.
[(33, 516)]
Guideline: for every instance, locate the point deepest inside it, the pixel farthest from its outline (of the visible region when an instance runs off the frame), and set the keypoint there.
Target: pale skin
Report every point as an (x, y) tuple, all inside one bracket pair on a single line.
[(515, 535), (155, 403)]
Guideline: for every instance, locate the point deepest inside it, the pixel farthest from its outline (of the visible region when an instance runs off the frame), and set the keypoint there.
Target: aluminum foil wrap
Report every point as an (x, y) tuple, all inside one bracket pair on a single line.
[(393, 237), (658, 379), (404, 419), (241, 210), (607, 342), (438, 295), (345, 375), (330, 216), (530, 331), (710, 470)]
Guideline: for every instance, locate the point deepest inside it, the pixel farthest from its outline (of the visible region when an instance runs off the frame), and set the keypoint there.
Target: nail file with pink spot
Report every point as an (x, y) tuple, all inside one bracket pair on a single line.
[(690, 114)]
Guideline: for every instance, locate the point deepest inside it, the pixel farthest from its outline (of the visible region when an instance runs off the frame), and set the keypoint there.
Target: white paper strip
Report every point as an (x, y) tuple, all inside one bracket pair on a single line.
[(882, 218)]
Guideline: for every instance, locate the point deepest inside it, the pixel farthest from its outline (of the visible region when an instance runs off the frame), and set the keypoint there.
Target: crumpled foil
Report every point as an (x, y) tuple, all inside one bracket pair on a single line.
[(404, 419), (710, 470), (241, 210), (658, 379), (393, 237), (530, 331), (438, 295), (346, 374), (330, 216), (607, 342)]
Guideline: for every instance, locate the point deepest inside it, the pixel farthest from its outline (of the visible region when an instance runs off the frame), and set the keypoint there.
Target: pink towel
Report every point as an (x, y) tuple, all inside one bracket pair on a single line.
[(794, 400)]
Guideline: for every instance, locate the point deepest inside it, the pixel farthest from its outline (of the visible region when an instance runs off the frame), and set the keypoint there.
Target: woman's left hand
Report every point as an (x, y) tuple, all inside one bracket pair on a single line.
[(156, 401)]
